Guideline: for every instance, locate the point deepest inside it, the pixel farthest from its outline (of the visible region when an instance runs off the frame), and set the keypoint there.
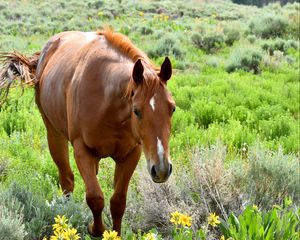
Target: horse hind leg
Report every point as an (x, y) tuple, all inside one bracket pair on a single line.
[(58, 146)]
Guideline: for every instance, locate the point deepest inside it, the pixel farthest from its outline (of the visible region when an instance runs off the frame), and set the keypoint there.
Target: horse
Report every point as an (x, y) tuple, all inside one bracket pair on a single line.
[(102, 94)]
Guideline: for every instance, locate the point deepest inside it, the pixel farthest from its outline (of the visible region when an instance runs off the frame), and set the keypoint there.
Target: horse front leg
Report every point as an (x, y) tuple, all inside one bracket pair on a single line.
[(123, 172), (87, 165)]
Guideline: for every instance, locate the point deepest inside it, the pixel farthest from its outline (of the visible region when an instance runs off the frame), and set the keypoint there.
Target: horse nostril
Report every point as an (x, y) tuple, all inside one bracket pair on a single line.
[(170, 169), (153, 172)]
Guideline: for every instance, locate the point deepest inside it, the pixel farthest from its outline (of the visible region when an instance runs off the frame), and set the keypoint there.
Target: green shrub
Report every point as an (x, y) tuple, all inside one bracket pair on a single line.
[(38, 214), (269, 26), (11, 224), (213, 61), (11, 218), (146, 30), (231, 35), (253, 224), (247, 59), (293, 21), (181, 120), (167, 46), (208, 112), (275, 127), (279, 45), (268, 177), (210, 42), (251, 39)]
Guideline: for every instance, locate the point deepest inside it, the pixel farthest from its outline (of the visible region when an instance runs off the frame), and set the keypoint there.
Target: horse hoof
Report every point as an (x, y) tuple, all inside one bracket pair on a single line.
[(90, 229)]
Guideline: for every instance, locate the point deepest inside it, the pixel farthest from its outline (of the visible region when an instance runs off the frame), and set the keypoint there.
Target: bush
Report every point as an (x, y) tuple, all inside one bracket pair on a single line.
[(213, 61), (278, 223), (231, 35), (202, 188), (269, 26), (38, 214), (279, 45), (11, 221), (208, 112), (146, 30), (275, 127), (251, 39), (210, 42), (268, 177), (167, 46), (247, 59)]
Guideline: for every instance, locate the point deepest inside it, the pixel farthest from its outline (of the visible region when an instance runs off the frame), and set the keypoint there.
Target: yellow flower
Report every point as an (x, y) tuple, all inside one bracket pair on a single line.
[(185, 220), (276, 206), (141, 14), (111, 235), (44, 238), (175, 217), (71, 234), (255, 208), (213, 220), (150, 236), (58, 236), (222, 237), (60, 223)]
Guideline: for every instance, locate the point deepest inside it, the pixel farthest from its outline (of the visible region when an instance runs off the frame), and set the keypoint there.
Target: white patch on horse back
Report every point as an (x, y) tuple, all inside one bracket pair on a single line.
[(89, 36), (152, 103), (160, 151)]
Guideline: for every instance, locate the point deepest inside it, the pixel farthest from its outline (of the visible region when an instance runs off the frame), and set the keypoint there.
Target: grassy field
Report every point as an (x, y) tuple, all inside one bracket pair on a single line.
[(235, 135)]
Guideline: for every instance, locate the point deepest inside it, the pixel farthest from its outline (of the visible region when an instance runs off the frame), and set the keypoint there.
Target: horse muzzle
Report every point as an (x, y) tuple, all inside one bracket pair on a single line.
[(160, 173)]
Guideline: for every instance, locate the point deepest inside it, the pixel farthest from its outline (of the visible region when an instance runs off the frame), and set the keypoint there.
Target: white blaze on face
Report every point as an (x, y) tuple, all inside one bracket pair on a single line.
[(160, 151), (152, 103)]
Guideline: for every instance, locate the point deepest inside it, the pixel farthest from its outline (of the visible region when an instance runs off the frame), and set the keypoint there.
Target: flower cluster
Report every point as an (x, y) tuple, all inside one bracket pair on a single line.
[(213, 220), (110, 235), (181, 219), (62, 230), (150, 236)]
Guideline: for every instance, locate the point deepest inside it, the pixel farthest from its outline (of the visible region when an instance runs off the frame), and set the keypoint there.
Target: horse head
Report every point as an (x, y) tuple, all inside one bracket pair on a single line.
[(152, 109)]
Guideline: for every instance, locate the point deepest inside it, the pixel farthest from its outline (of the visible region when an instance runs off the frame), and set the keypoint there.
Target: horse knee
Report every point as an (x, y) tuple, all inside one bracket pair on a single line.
[(95, 202), (66, 180)]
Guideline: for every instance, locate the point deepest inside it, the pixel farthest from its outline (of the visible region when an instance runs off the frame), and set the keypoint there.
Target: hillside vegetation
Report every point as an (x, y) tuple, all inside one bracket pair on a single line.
[(235, 135)]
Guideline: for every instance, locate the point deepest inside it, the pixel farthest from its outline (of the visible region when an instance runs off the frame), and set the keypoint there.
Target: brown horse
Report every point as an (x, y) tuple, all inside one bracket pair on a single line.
[(101, 93)]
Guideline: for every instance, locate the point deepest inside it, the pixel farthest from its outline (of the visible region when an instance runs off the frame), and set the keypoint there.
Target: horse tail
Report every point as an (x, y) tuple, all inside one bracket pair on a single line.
[(17, 70)]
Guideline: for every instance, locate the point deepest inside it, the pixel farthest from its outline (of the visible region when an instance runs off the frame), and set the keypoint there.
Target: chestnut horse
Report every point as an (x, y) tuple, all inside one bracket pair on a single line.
[(102, 94)]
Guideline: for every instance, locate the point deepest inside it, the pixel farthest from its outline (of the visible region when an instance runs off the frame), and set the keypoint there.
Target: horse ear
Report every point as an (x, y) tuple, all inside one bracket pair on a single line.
[(166, 70), (138, 71)]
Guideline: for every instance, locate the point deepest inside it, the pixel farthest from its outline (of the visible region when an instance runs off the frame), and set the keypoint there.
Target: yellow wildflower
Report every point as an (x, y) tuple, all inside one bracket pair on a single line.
[(255, 208), (71, 234), (150, 236), (141, 14), (58, 236), (175, 217), (222, 237), (213, 220), (111, 235), (276, 206), (60, 223), (185, 220)]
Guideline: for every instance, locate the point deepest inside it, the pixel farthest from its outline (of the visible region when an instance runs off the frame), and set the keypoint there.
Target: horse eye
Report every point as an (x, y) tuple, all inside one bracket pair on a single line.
[(174, 109), (137, 113)]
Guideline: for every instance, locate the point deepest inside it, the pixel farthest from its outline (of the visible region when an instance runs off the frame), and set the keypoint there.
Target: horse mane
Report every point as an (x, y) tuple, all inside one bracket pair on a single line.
[(122, 44)]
